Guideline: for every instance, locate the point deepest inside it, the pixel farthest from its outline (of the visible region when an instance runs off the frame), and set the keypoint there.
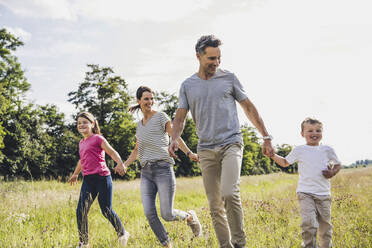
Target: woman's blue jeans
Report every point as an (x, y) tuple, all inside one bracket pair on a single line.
[(92, 186), (158, 177)]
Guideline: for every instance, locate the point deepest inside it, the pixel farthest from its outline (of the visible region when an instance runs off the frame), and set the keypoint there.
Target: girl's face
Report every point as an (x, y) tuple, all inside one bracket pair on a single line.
[(313, 133), (84, 126), (146, 101)]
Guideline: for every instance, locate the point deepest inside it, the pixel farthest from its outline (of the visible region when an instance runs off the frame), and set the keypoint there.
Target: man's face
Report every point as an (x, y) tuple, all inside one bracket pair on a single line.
[(210, 60)]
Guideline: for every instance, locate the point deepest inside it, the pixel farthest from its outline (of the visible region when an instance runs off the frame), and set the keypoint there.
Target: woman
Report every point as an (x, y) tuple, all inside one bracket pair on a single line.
[(157, 175)]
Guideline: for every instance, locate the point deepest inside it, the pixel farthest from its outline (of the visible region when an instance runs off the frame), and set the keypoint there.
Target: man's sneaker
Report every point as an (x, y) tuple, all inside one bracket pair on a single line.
[(123, 239), (82, 245), (195, 224), (238, 246)]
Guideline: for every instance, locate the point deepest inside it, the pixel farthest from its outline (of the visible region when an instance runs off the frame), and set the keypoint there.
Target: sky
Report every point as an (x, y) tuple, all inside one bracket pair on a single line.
[(295, 58)]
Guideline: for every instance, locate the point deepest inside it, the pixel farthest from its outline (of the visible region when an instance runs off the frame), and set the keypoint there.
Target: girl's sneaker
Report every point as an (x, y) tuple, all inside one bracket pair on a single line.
[(195, 224), (82, 245), (123, 239)]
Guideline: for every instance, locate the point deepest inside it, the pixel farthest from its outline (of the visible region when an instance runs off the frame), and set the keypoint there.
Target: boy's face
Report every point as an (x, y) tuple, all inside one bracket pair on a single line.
[(312, 134)]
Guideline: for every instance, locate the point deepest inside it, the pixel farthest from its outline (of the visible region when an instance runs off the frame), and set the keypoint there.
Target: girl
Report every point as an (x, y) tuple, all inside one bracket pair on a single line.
[(96, 177), (157, 175)]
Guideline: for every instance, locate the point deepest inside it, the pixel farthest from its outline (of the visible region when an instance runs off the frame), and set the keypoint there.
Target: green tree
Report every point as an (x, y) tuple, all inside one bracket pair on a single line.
[(25, 144), (13, 84), (15, 142), (63, 145), (103, 94), (34, 140), (168, 103), (254, 162)]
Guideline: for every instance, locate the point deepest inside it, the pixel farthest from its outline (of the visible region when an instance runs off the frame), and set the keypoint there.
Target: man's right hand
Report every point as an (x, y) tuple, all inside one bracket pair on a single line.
[(173, 147), (267, 149)]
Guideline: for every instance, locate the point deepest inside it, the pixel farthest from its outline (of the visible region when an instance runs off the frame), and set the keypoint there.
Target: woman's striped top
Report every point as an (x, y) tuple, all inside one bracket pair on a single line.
[(153, 140)]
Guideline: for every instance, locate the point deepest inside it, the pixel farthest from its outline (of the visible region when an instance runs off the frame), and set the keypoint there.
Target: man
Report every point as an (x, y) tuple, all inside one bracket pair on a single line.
[(210, 95)]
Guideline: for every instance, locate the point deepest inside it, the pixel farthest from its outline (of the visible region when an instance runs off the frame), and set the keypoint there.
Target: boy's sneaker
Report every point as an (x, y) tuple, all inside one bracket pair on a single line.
[(195, 224), (123, 239), (82, 245), (168, 245)]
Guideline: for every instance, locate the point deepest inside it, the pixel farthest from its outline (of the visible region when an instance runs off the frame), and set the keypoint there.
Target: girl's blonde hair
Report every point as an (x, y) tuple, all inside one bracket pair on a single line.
[(90, 117)]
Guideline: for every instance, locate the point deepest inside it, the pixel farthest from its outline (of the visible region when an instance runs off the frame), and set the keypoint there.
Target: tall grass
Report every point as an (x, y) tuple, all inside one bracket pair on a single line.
[(42, 214)]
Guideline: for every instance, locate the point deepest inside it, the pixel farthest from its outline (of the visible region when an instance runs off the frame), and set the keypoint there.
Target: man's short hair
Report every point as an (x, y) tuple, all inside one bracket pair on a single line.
[(206, 41), (311, 121)]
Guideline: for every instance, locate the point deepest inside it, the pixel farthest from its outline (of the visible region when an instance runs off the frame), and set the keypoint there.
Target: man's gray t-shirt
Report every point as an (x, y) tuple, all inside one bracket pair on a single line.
[(213, 108)]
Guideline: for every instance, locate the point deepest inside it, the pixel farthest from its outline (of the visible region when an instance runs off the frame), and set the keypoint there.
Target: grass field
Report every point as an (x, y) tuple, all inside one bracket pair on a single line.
[(42, 214)]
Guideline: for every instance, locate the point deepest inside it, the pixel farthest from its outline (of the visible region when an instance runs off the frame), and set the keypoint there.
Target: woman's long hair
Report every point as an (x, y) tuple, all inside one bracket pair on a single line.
[(90, 117), (139, 94)]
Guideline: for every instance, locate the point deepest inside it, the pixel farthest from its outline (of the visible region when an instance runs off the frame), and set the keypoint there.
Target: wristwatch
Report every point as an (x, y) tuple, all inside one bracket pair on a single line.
[(267, 137)]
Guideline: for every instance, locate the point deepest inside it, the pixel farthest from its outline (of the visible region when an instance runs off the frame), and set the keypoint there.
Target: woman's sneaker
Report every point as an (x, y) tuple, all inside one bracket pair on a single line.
[(123, 239), (194, 224)]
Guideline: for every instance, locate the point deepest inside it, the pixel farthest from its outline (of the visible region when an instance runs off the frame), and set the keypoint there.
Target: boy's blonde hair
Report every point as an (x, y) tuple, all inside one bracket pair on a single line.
[(311, 121)]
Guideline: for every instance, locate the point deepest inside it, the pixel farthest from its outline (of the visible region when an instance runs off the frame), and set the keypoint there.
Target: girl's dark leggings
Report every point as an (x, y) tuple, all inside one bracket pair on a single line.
[(92, 186)]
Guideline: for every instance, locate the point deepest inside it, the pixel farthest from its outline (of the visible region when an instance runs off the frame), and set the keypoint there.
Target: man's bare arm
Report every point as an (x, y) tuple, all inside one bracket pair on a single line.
[(254, 117), (177, 129)]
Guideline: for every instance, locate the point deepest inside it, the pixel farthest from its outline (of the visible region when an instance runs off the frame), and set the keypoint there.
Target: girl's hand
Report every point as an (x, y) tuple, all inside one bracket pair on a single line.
[(73, 179), (194, 157)]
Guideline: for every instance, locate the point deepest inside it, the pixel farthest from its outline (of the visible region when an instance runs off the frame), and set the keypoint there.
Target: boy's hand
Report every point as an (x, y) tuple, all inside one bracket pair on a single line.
[(73, 179), (329, 173)]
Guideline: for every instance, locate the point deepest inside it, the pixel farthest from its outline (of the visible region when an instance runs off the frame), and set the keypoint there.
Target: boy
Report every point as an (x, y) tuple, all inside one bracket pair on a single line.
[(313, 188)]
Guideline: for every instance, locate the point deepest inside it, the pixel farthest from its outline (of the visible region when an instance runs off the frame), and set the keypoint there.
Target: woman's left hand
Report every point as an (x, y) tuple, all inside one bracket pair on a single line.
[(194, 157)]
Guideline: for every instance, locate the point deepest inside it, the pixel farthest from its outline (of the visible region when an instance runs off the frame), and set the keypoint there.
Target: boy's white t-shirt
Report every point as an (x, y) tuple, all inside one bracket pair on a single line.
[(312, 160)]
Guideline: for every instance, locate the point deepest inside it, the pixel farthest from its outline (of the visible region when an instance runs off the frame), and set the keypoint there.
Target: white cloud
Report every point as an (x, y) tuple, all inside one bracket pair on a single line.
[(57, 49), (20, 33), (45, 72), (56, 9), (164, 10), (122, 10)]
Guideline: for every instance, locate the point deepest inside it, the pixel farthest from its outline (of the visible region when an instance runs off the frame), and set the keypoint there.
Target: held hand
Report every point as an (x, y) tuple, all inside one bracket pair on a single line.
[(73, 179), (267, 149), (328, 173), (120, 169), (173, 147), (194, 157)]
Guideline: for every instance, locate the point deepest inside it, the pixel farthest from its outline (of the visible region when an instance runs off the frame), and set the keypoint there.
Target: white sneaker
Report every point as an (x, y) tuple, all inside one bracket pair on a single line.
[(168, 245), (81, 245), (195, 224), (123, 239)]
